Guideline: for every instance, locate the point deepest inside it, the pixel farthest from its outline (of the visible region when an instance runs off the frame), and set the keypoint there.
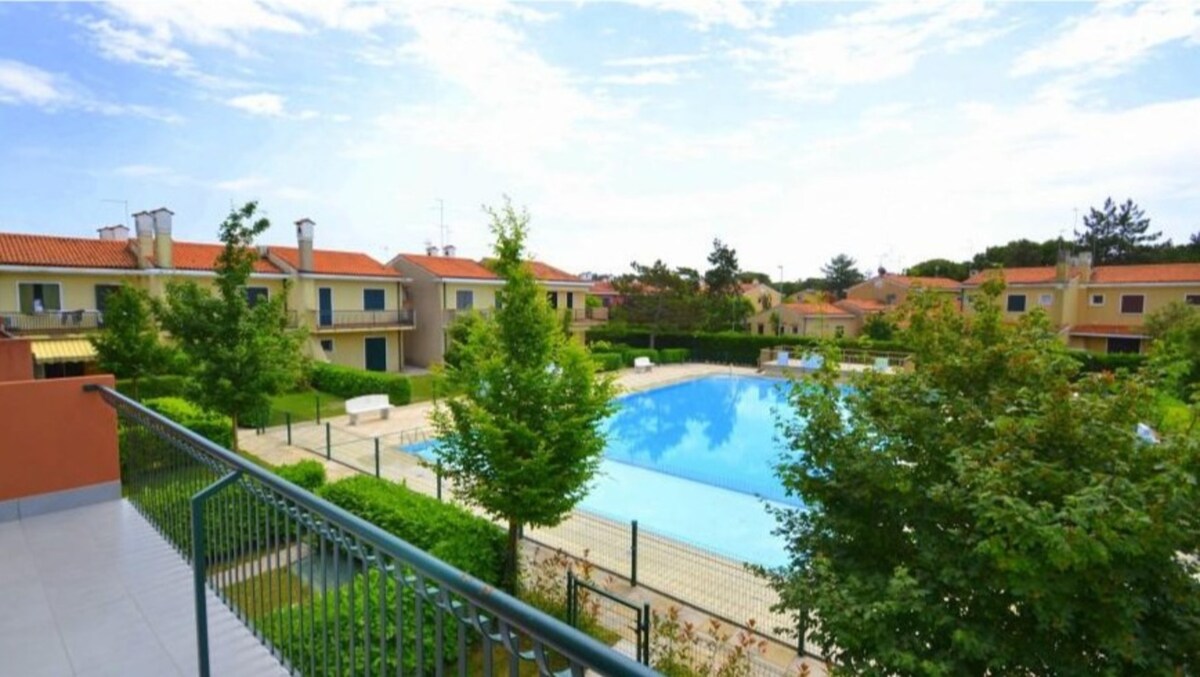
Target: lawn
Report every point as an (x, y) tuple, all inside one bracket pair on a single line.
[(423, 385), (302, 406), (1175, 416)]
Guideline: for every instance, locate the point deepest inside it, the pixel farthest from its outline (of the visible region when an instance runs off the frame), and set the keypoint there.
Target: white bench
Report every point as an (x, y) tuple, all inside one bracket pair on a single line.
[(642, 364), (367, 403)]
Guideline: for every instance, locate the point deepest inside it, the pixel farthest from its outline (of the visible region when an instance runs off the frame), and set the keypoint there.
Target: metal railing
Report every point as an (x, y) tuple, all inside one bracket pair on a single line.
[(51, 321), (328, 592), (360, 319), (453, 314), (599, 314)]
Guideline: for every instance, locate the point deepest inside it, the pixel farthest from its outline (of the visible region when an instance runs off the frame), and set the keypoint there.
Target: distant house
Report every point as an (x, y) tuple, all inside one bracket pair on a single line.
[(892, 290), (608, 295), (762, 296), (1097, 308), (804, 319)]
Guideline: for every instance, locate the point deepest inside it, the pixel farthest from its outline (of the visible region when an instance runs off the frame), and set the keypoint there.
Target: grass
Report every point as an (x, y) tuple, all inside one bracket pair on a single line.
[(302, 405), (423, 387), (259, 595), (1175, 416)]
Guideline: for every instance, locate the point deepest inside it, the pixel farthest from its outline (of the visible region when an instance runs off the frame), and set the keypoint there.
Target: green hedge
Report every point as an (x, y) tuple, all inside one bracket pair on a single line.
[(1098, 362), (153, 387), (726, 347), (608, 361), (446, 531), (308, 475), (348, 382), (629, 354), (192, 416), (673, 355)]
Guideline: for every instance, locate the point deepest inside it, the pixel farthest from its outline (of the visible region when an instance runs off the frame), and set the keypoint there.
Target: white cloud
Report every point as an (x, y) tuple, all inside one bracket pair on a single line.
[(653, 61), (705, 14), (21, 83), (149, 47), (1112, 38), (241, 184), (264, 104), (648, 77)]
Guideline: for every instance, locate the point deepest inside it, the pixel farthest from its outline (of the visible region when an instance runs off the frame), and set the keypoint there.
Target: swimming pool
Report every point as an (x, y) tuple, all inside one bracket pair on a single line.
[(695, 461)]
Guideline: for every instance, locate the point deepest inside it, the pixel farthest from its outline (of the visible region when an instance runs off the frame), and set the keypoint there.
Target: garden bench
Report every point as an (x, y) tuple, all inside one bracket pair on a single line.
[(367, 403), (642, 364)]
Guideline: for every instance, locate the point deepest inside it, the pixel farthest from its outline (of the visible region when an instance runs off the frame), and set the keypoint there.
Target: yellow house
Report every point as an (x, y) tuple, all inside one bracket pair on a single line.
[(446, 286), (762, 296), (1096, 308), (804, 319), (892, 290), (353, 306)]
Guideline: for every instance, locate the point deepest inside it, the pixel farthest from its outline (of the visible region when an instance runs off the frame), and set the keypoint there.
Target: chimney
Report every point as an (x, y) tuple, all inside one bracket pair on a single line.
[(304, 236), (144, 223), (162, 236), (1062, 268), (1084, 261), (449, 250), (431, 249), (118, 233)]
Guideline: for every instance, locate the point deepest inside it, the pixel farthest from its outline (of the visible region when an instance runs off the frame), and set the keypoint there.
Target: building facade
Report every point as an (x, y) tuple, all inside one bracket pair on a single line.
[(822, 320)]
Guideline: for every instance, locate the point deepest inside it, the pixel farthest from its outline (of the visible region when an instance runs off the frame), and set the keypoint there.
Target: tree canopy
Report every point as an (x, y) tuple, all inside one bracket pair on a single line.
[(523, 440), (991, 511), (840, 274), (128, 345), (659, 298), (1117, 234), (940, 268), (240, 354)]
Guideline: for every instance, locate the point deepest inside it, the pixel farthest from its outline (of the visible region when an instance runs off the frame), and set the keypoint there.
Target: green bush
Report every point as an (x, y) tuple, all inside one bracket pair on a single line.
[(308, 475), (608, 361), (209, 424), (673, 355), (458, 537), (348, 382), (726, 347), (1097, 362), (152, 387), (630, 354)]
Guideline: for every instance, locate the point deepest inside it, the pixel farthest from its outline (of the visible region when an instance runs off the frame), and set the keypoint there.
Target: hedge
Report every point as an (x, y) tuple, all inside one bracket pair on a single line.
[(726, 347), (1098, 362), (446, 531), (608, 361), (673, 355), (308, 475), (631, 354), (192, 416), (153, 387), (348, 382)]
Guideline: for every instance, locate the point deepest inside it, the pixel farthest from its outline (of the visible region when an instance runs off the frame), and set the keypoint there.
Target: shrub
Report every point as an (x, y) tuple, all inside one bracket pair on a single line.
[(631, 354), (153, 387), (347, 382), (308, 475), (608, 361), (209, 424), (1099, 362), (448, 532), (673, 355)]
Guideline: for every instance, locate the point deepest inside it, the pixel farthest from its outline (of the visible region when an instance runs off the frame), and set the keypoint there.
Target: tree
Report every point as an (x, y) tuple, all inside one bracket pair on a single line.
[(1020, 253), (722, 290), (523, 441), (940, 268), (1116, 234), (879, 327), (991, 511), (659, 298), (240, 354), (1175, 353), (841, 274), (129, 344)]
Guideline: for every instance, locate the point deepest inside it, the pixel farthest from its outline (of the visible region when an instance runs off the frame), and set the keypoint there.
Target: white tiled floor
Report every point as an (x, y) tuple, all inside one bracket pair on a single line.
[(96, 591)]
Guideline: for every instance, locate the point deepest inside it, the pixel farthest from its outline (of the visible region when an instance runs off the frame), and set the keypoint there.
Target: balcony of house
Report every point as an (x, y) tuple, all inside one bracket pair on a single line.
[(333, 321), (453, 314), (597, 315), (51, 322), (130, 545)]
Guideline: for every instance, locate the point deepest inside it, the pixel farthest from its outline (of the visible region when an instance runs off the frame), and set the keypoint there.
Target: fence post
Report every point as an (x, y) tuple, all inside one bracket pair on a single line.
[(199, 562), (318, 396), (328, 442), (287, 416), (438, 470), (570, 597), (633, 554), (645, 638), (376, 457)]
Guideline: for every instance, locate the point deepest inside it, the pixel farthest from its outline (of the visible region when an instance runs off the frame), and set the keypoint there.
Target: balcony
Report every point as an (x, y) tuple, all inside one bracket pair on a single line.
[(359, 320), (452, 314), (51, 322), (589, 315), (325, 591)]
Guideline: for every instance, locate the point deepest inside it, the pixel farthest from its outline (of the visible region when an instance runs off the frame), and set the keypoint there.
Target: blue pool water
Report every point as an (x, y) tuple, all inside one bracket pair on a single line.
[(695, 461)]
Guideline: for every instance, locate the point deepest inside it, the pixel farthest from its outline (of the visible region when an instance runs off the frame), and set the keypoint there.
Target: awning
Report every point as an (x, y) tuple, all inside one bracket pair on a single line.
[(68, 350)]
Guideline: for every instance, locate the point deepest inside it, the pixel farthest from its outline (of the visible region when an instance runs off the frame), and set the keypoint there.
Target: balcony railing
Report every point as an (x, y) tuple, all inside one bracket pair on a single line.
[(361, 319), (452, 314), (328, 592), (51, 321), (599, 314)]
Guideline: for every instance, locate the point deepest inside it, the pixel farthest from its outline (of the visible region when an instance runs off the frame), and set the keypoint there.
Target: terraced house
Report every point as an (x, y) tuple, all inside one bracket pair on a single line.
[(1097, 308), (445, 286), (53, 291)]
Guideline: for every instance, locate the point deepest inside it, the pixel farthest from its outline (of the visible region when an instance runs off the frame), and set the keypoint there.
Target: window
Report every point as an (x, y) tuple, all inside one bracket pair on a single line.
[(570, 299), (102, 293), (1046, 300), (1016, 303), (1124, 345), (552, 297), (762, 329), (1133, 304), (327, 345), (373, 299), (255, 295), (1097, 300), (1192, 299), (38, 297), (464, 299), (839, 331), (63, 370), (795, 329)]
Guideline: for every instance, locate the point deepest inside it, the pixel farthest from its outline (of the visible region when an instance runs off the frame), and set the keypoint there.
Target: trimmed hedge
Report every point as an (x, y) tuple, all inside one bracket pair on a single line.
[(446, 531), (726, 347), (308, 475), (608, 361), (673, 355), (1099, 362), (192, 416), (348, 382), (153, 387)]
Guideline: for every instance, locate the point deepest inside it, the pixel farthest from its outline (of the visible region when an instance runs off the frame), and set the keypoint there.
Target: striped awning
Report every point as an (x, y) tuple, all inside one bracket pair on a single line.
[(67, 350)]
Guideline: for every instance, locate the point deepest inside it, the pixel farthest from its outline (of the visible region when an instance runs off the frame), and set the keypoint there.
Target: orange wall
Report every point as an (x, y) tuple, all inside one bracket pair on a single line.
[(55, 436), (16, 360)]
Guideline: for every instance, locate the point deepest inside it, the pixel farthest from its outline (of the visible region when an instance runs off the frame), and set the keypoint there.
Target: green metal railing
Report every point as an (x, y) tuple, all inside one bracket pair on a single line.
[(328, 592)]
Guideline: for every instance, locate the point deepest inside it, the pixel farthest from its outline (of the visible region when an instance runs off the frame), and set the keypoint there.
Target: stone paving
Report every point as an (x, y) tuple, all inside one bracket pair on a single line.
[(684, 572)]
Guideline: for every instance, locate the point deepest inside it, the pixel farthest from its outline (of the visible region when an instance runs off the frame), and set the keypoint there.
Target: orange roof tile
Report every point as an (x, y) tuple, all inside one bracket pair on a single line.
[(449, 266), (603, 288), (548, 273), (1149, 273), (65, 252), (330, 262), (203, 256), (1035, 275), (815, 309), (1108, 330), (928, 282)]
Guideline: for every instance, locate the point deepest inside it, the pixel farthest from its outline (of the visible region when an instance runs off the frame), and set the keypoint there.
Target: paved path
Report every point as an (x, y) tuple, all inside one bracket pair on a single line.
[(688, 573)]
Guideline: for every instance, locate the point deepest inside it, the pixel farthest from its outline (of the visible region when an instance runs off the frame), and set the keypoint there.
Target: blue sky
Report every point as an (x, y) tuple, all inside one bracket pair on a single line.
[(893, 132)]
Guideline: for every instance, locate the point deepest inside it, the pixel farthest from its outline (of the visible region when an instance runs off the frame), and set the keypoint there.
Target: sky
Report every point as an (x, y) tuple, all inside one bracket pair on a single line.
[(635, 130)]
